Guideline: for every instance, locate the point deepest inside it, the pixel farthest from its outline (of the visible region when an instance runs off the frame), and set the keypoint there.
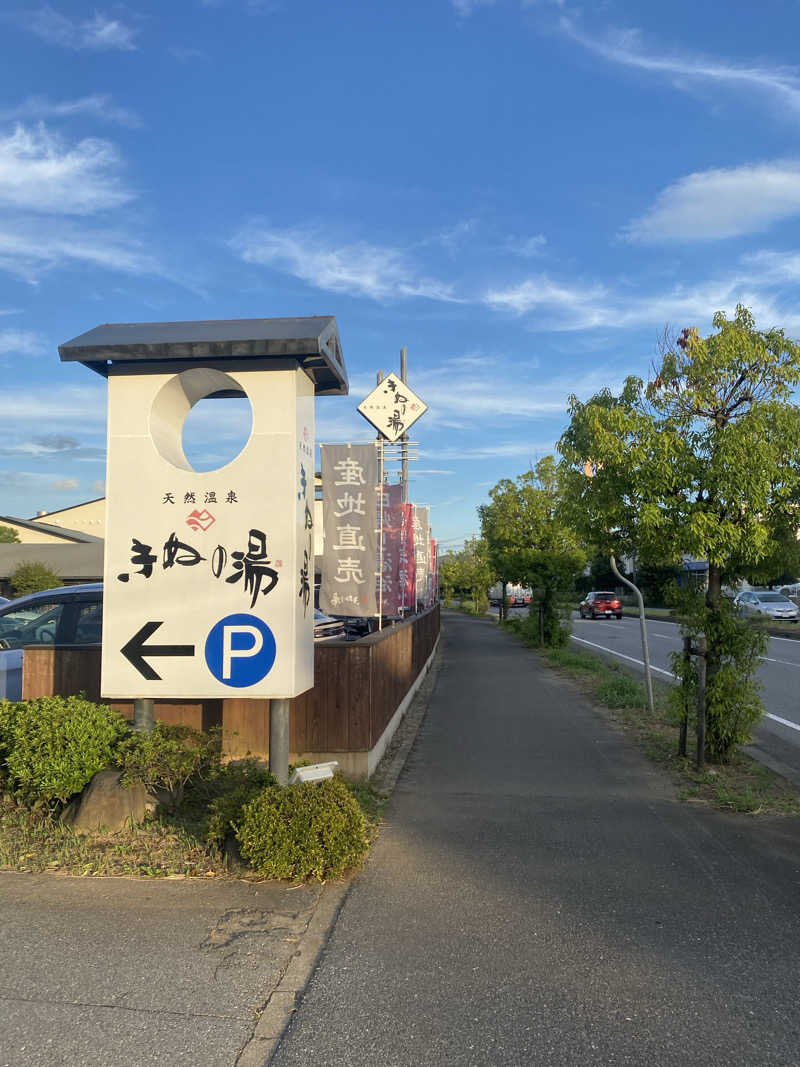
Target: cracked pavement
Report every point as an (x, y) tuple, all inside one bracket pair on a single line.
[(100, 971)]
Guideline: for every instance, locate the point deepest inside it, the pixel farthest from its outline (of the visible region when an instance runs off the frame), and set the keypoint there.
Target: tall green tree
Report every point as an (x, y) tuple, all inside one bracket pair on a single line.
[(529, 539), (467, 572), (703, 460)]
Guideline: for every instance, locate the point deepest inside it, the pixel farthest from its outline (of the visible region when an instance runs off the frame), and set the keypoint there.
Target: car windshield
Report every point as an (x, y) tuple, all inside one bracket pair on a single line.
[(35, 624), (771, 598)]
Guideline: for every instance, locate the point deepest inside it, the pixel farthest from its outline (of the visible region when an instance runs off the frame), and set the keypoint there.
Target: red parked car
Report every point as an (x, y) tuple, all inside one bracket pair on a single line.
[(595, 605)]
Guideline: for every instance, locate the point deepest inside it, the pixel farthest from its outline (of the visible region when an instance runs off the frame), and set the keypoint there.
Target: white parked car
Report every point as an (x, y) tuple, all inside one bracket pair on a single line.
[(763, 602)]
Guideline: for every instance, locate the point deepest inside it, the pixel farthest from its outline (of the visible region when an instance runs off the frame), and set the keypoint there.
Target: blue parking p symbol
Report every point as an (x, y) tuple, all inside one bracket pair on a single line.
[(240, 650)]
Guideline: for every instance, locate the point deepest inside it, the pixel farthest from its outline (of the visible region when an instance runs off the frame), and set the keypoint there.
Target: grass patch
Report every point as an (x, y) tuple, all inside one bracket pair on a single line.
[(566, 659), (621, 691), (158, 848), (743, 785), (167, 845)]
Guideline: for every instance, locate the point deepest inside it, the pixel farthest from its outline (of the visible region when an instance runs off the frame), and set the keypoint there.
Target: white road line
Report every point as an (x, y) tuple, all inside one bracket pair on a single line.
[(785, 662), (667, 637), (767, 715), (621, 655), (791, 640), (783, 722)]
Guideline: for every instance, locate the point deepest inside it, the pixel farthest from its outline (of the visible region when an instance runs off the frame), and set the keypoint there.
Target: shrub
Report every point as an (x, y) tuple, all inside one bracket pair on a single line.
[(33, 578), (303, 830), (733, 700), (239, 784), (167, 757), (54, 746)]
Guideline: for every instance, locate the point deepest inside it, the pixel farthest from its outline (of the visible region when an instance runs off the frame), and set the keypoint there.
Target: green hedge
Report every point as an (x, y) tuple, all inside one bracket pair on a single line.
[(311, 829), (52, 747)]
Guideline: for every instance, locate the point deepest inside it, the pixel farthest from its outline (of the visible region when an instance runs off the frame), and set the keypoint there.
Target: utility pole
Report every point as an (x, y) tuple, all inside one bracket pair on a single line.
[(404, 438)]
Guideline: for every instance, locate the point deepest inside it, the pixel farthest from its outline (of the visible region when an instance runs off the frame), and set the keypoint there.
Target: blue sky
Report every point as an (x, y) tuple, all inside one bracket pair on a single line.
[(523, 192)]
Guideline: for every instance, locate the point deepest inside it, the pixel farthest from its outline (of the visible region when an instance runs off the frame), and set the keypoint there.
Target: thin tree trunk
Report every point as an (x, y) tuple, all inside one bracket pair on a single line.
[(714, 605)]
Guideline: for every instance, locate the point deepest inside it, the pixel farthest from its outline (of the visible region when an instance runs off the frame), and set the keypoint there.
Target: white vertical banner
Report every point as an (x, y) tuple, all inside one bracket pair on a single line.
[(422, 544), (350, 556)]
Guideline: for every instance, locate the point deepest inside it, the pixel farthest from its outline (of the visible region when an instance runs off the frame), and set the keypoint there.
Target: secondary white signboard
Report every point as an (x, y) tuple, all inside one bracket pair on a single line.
[(209, 577), (392, 407)]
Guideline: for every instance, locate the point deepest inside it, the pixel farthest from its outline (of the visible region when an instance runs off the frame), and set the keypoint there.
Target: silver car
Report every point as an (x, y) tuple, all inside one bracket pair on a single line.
[(762, 602)]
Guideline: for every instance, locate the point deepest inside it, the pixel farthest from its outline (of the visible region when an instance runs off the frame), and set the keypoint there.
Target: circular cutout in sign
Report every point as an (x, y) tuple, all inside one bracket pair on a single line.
[(240, 650)]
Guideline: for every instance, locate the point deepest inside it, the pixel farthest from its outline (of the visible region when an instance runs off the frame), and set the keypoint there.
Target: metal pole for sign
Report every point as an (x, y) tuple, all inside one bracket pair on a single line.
[(404, 438), (645, 651), (379, 443), (380, 534), (279, 740), (143, 716)]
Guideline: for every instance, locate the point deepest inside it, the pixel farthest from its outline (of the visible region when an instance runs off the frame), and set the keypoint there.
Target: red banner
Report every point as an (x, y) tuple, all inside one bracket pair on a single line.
[(434, 572), (390, 593), (408, 565)]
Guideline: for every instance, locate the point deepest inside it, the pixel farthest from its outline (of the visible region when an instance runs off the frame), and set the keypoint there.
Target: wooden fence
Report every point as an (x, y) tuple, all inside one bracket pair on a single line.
[(360, 687)]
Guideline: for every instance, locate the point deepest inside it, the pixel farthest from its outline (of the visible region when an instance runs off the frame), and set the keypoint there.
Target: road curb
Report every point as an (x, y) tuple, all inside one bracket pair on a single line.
[(276, 1015), (277, 1012)]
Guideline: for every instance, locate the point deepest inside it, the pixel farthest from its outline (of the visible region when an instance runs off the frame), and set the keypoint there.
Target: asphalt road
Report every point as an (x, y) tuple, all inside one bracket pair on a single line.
[(777, 736), (538, 896)]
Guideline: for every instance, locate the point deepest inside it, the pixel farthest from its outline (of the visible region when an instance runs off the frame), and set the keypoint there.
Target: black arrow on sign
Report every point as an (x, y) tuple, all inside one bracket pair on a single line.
[(136, 649)]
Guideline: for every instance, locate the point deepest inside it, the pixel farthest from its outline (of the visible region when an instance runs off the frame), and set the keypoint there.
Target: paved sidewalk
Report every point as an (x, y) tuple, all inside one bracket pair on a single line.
[(119, 971), (106, 971), (539, 896)]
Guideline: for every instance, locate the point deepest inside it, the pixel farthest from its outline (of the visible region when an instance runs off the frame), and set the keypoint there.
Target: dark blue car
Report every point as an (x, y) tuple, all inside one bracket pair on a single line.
[(72, 615)]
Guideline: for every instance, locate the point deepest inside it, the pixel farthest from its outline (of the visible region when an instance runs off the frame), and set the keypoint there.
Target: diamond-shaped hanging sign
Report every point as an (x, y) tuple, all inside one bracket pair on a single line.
[(392, 407)]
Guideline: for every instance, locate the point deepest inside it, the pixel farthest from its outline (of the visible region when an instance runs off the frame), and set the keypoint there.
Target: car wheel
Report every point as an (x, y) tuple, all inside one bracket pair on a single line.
[(619, 618), (594, 617)]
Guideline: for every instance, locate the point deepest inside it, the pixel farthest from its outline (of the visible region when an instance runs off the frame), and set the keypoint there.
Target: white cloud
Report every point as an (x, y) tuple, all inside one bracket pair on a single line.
[(96, 106), (30, 247), (580, 303), (70, 408), (21, 343), (498, 450), (64, 484), (755, 282), (527, 247), (626, 48), (714, 204), (100, 33), (39, 172), (99, 486), (466, 7), (359, 269)]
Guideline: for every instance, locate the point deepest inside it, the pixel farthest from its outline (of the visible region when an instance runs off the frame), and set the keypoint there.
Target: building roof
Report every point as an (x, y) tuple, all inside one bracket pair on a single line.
[(69, 561), (312, 341), (47, 528), (69, 507)]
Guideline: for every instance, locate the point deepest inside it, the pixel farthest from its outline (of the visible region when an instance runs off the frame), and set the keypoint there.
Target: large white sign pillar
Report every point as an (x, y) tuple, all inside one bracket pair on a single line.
[(209, 576)]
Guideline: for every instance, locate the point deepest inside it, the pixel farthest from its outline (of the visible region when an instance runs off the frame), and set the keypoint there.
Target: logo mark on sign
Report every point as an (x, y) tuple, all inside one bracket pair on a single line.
[(200, 520), (240, 650)]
